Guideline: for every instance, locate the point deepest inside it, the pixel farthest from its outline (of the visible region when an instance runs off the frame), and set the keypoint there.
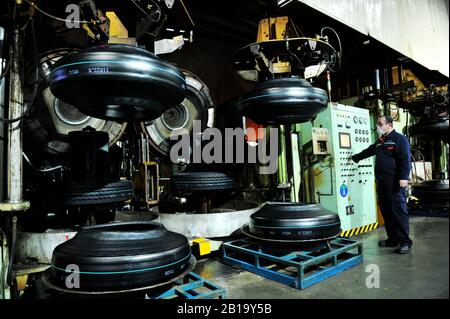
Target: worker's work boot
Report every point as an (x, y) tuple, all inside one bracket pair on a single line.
[(403, 249)]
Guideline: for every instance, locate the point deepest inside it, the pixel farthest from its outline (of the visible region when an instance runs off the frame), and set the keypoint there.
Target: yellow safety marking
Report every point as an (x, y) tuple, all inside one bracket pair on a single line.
[(359, 230)]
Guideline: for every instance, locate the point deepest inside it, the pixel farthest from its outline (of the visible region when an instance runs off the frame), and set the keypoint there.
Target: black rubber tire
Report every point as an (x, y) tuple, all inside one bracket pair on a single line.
[(124, 255), (51, 119), (201, 182), (431, 129), (283, 101), (78, 194), (118, 82), (436, 191), (294, 221)]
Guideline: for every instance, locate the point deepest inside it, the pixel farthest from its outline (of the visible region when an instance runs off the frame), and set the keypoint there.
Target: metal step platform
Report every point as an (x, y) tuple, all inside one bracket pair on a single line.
[(293, 266), (192, 286)]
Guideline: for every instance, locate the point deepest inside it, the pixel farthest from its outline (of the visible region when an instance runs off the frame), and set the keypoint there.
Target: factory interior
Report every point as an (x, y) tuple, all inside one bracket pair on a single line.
[(194, 149)]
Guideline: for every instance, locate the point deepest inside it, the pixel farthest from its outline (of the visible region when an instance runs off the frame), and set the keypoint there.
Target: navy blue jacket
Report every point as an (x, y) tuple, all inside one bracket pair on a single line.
[(393, 157)]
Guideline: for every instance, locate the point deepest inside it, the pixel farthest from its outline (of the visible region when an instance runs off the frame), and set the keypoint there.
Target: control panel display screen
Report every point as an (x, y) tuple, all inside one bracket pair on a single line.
[(344, 140)]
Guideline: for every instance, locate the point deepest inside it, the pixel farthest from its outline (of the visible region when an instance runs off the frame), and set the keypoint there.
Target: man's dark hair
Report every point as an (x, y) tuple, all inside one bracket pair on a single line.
[(387, 118)]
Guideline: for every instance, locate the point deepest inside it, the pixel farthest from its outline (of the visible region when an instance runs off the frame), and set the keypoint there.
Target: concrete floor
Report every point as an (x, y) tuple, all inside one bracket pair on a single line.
[(423, 273)]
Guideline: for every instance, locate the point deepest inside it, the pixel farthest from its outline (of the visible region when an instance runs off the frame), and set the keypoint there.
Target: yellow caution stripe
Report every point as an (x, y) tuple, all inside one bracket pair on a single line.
[(359, 230)]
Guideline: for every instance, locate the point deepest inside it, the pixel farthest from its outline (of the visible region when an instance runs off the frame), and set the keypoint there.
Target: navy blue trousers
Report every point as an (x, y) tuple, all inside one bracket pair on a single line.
[(392, 201)]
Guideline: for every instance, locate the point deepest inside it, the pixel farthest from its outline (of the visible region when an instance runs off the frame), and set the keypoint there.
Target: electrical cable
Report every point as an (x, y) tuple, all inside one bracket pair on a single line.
[(293, 54), (187, 13), (55, 17), (41, 170), (295, 28), (25, 25), (159, 11), (139, 7), (145, 12), (338, 53)]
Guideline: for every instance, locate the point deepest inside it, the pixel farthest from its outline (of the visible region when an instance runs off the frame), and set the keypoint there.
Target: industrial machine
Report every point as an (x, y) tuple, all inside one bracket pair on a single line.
[(278, 61), (81, 162), (429, 135), (87, 171), (341, 185)]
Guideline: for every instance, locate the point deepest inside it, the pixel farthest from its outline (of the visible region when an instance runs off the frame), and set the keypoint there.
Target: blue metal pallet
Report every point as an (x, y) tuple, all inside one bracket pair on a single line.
[(193, 286), (298, 269)]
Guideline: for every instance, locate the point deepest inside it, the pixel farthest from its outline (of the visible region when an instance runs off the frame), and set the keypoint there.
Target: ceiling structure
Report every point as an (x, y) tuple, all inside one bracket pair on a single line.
[(236, 22)]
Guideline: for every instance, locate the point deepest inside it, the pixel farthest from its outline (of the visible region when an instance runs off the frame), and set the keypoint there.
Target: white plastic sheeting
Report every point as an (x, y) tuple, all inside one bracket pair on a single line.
[(418, 29)]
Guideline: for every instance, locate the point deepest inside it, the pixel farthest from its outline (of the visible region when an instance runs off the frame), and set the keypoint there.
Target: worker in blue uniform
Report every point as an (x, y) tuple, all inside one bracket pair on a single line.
[(392, 168)]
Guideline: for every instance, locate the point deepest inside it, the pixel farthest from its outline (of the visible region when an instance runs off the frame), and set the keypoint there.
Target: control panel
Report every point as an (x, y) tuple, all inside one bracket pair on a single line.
[(342, 185)]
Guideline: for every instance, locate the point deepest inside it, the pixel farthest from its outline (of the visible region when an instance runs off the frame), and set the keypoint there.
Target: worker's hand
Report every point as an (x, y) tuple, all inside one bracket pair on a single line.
[(354, 158), (403, 183)]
